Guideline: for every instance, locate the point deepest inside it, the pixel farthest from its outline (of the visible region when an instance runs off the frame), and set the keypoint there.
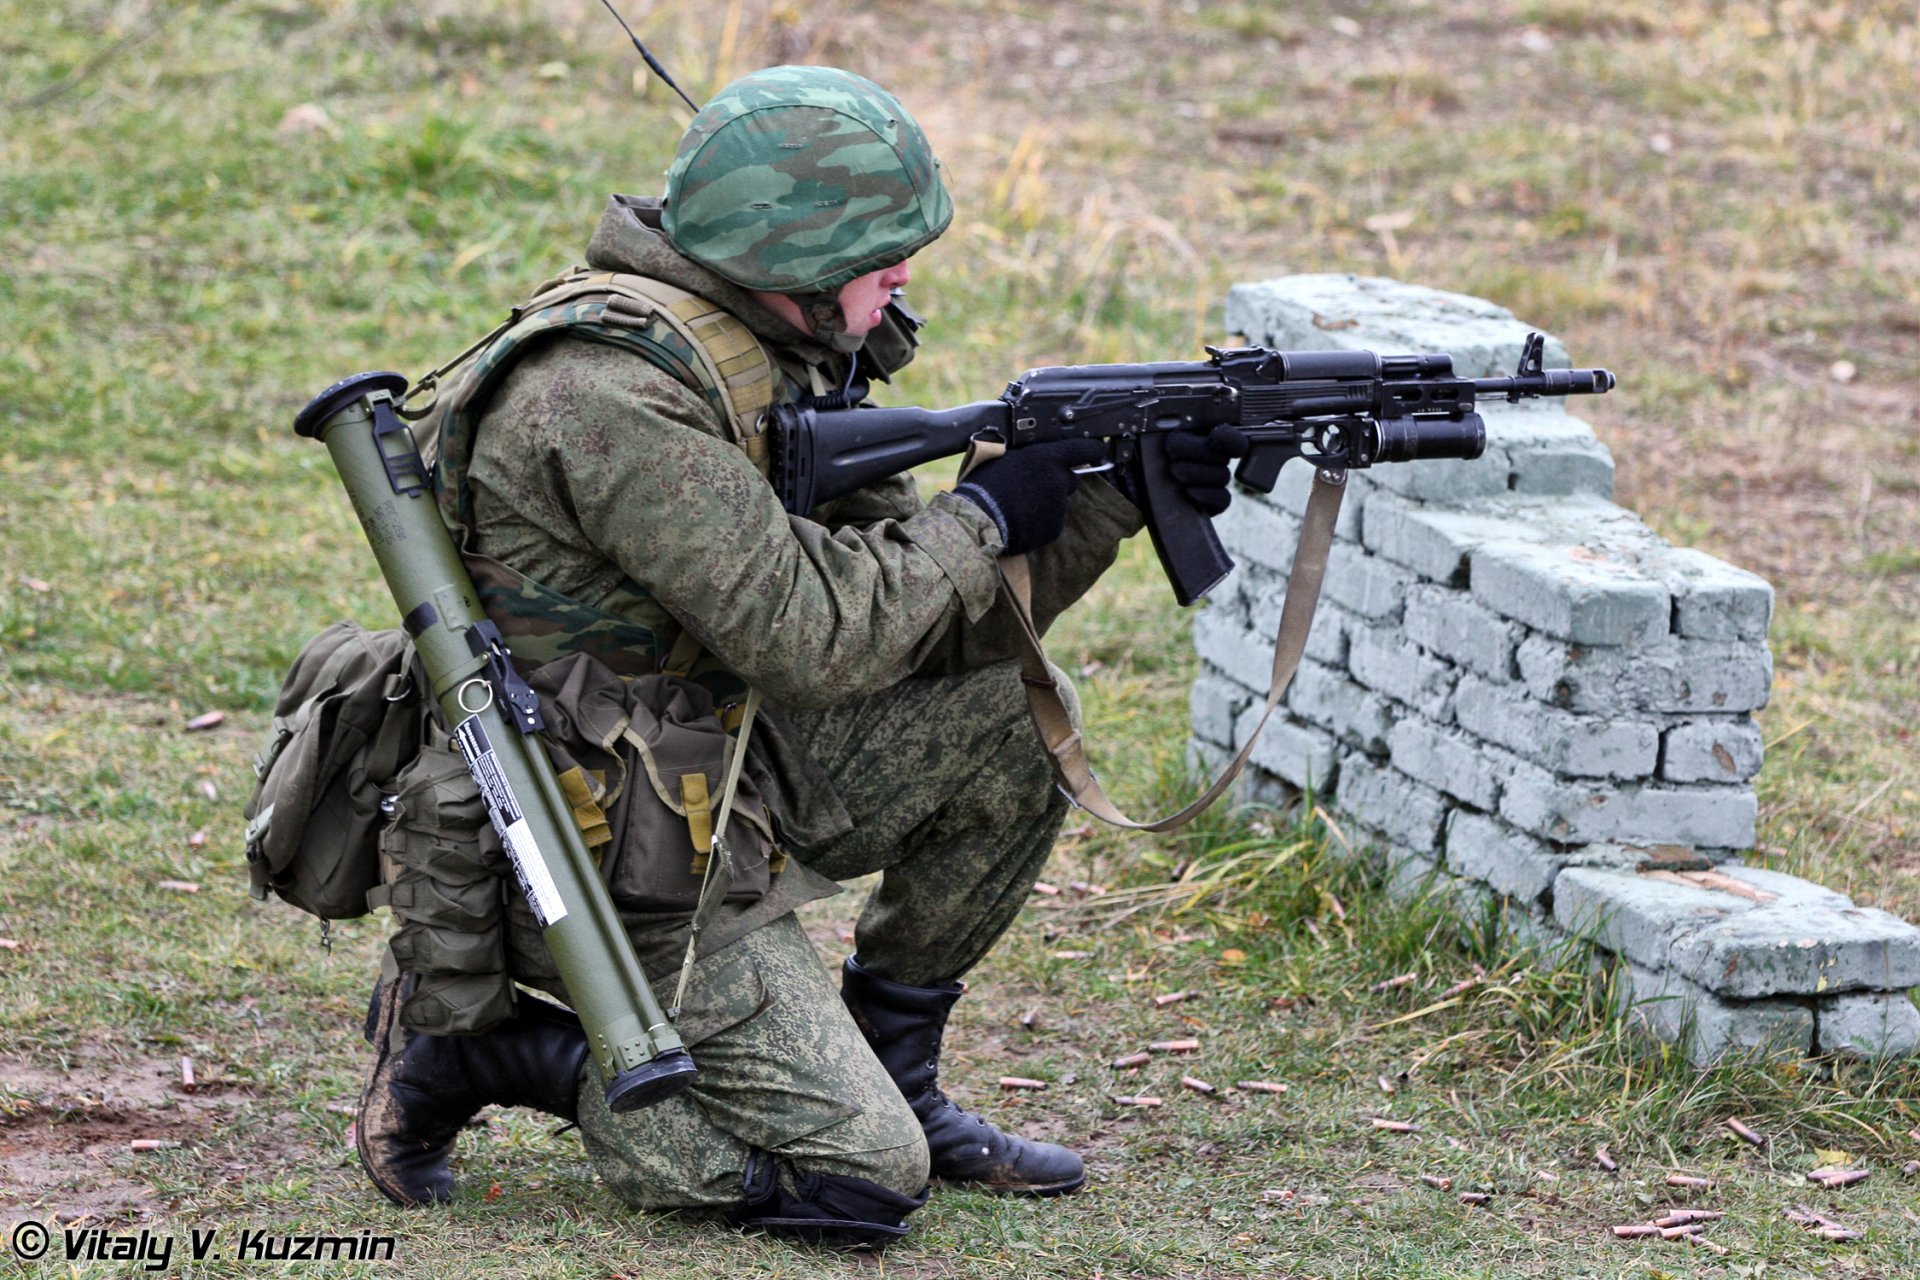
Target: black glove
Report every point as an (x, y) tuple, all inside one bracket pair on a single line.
[(1026, 490), (1197, 460)]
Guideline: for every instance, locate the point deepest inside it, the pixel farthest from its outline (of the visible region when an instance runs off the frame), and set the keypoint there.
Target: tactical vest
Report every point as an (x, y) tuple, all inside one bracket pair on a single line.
[(702, 346)]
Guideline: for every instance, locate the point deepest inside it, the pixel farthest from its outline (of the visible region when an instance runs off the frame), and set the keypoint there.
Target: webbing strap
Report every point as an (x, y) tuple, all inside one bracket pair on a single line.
[(718, 881), (1065, 747)]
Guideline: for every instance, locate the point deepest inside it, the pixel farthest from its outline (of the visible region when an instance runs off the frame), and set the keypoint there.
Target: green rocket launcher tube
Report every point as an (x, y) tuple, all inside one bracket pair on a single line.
[(494, 714)]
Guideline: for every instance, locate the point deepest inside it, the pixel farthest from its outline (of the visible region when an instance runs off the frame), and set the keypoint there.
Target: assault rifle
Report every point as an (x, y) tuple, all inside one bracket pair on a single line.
[(1339, 410)]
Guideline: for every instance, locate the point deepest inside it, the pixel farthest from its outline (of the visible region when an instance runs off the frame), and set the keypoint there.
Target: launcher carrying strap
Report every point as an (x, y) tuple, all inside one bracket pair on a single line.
[(1066, 748)]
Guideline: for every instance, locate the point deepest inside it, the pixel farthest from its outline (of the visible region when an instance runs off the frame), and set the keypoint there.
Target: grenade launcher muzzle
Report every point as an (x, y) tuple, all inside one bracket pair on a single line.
[(493, 714)]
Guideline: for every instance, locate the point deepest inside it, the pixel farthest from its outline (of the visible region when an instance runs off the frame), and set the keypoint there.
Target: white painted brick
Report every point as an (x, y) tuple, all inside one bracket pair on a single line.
[(1712, 749), (1712, 600), (1572, 812), (1205, 759), (1297, 753), (1215, 704), (1581, 746), (1447, 761), (1239, 654), (1326, 641), (1337, 312), (1712, 1029), (1874, 1025), (1786, 948), (1633, 915), (1352, 712), (1672, 675), (1447, 481), (1254, 530), (1384, 660), (1391, 803), (1435, 542), (1448, 624), (1295, 485), (1549, 451), (1368, 585), (1570, 592), (1507, 861)]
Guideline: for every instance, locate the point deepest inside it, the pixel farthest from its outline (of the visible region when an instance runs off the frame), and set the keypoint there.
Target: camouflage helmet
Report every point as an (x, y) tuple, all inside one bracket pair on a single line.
[(796, 180)]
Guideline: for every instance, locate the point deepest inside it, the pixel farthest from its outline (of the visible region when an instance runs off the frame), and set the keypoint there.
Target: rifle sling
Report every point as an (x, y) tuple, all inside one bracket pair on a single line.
[(1063, 742)]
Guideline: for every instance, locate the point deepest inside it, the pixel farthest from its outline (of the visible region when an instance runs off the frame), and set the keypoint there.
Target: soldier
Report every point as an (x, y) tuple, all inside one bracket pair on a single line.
[(604, 481)]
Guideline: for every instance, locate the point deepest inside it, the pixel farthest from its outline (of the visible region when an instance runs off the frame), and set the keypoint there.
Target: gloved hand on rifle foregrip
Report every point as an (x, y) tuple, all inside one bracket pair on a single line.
[(1026, 490)]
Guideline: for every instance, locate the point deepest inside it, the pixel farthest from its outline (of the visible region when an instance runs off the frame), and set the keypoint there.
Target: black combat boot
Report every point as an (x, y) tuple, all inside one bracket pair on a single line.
[(826, 1208), (904, 1025), (418, 1099)]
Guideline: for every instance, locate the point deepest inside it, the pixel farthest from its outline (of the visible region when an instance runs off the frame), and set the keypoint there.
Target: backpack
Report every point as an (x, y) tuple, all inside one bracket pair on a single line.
[(350, 714)]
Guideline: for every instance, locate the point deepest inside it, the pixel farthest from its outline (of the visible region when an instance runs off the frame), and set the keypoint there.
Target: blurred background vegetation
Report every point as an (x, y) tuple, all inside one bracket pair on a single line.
[(208, 211)]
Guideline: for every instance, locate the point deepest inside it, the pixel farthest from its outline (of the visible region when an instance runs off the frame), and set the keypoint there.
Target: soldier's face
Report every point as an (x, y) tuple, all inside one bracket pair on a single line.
[(864, 297)]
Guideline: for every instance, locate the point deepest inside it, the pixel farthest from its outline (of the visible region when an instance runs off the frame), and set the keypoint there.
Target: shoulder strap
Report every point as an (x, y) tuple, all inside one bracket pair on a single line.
[(727, 361), (1065, 747)]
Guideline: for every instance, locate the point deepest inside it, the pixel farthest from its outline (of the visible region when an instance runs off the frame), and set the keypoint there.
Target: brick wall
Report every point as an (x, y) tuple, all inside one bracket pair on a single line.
[(1516, 690)]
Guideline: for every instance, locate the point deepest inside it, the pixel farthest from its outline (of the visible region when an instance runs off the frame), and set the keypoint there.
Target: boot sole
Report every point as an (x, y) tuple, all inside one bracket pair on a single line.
[(1022, 1192)]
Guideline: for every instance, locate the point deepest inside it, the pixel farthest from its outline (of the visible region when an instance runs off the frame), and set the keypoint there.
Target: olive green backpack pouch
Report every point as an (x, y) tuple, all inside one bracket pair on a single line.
[(650, 752), (349, 715), (445, 876)]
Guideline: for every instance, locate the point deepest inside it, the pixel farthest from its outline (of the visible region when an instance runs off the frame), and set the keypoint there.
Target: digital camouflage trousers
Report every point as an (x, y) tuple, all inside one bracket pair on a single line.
[(954, 805)]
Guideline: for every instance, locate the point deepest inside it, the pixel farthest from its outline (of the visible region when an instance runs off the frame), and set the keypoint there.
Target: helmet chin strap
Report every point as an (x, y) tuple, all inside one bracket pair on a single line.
[(828, 322)]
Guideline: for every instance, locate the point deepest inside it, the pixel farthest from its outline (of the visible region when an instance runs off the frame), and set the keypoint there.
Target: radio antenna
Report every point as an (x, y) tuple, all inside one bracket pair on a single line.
[(650, 59)]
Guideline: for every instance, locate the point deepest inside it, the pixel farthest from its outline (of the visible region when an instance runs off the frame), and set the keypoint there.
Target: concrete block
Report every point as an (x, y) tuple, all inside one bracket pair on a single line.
[(1880, 1024), (1328, 312), (1574, 812), (1205, 759), (1581, 746), (1787, 948), (1255, 530), (1295, 484), (1671, 675), (1351, 712), (1446, 481), (1391, 803), (1436, 542), (1448, 761), (1713, 1029), (1450, 625), (1237, 653), (1384, 660), (1326, 641), (1215, 704), (1366, 584), (1508, 862), (1712, 600), (1570, 592), (1711, 749), (1298, 754), (1633, 915), (1258, 787), (1413, 877), (1549, 451)]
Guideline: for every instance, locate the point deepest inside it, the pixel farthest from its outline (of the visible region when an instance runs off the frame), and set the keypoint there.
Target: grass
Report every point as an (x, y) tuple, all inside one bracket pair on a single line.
[(209, 212)]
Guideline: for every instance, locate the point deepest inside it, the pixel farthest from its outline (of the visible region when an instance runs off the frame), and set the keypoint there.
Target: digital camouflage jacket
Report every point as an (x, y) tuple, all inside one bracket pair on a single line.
[(603, 477)]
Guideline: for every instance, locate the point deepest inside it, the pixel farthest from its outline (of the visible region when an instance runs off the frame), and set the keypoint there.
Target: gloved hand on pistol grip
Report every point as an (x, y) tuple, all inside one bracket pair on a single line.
[(1199, 462), (1026, 490)]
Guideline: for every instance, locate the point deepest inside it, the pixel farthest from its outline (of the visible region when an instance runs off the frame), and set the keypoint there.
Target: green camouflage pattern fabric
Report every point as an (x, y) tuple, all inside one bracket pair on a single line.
[(798, 179), (951, 799), (782, 1069), (602, 480)]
